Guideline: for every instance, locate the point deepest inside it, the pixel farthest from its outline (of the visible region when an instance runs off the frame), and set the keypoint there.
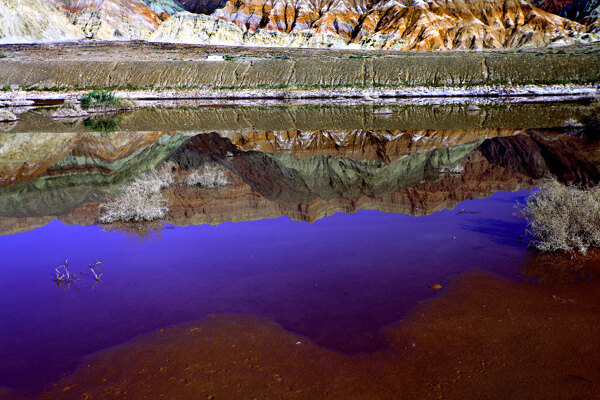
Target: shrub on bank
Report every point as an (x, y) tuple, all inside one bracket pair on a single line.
[(563, 217), (100, 98)]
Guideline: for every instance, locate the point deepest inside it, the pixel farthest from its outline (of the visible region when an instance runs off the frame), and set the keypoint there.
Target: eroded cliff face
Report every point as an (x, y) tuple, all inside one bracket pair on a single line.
[(26, 21), (584, 11), (395, 24), (110, 19)]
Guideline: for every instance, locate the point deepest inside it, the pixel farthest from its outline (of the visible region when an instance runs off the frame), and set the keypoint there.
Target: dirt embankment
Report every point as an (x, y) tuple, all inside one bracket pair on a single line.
[(142, 66)]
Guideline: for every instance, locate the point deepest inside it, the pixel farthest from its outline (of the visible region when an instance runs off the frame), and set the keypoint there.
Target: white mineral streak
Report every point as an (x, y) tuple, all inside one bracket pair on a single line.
[(28, 21)]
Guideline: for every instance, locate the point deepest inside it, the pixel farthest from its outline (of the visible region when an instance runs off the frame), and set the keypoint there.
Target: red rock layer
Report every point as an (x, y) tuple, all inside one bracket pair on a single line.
[(553, 6), (113, 11), (22, 164), (411, 24)]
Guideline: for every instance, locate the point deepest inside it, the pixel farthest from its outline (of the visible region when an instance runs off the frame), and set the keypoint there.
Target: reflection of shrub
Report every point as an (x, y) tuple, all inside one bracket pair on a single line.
[(102, 124), (140, 200), (563, 217), (99, 98), (591, 125), (209, 177), (560, 267), (137, 232)]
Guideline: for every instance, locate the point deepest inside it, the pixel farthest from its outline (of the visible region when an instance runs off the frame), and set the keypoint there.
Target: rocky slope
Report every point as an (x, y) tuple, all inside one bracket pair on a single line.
[(394, 24), (379, 24), (110, 19), (577, 10), (25, 21), (584, 11)]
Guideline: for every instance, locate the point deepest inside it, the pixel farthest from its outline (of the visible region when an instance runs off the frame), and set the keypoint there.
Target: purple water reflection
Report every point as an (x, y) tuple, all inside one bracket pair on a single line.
[(337, 280)]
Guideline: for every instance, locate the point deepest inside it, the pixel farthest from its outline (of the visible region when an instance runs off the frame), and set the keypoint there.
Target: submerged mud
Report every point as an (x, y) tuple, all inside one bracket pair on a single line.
[(485, 337)]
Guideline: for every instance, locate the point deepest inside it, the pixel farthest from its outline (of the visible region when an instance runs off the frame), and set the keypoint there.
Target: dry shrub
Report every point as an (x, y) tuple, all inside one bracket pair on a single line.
[(208, 177), (140, 200), (563, 217)]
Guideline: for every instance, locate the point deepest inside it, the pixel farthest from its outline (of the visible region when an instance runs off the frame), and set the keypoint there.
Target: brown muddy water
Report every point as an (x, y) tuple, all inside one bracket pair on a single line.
[(295, 253)]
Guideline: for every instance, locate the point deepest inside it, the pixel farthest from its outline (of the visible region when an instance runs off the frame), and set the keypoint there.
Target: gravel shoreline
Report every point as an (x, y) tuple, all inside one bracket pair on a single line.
[(443, 94)]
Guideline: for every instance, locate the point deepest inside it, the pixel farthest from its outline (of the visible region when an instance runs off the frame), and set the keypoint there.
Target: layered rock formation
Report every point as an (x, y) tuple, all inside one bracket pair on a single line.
[(164, 8), (110, 19), (404, 24), (584, 11), (577, 10), (395, 24), (25, 21)]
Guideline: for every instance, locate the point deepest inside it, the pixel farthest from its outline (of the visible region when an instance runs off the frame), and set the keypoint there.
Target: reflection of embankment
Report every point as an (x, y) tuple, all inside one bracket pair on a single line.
[(303, 175), (471, 114), (485, 337)]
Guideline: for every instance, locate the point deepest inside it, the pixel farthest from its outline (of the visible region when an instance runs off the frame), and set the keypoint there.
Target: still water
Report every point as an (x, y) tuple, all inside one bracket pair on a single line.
[(332, 234)]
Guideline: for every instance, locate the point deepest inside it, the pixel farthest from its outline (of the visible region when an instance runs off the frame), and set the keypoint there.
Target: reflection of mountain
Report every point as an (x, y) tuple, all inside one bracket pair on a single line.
[(289, 180), (28, 155), (269, 185), (305, 175), (53, 174), (364, 145)]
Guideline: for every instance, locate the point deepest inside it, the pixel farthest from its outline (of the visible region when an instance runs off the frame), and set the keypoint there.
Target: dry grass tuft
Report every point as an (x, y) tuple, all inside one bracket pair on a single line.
[(563, 217), (208, 177), (140, 200)]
